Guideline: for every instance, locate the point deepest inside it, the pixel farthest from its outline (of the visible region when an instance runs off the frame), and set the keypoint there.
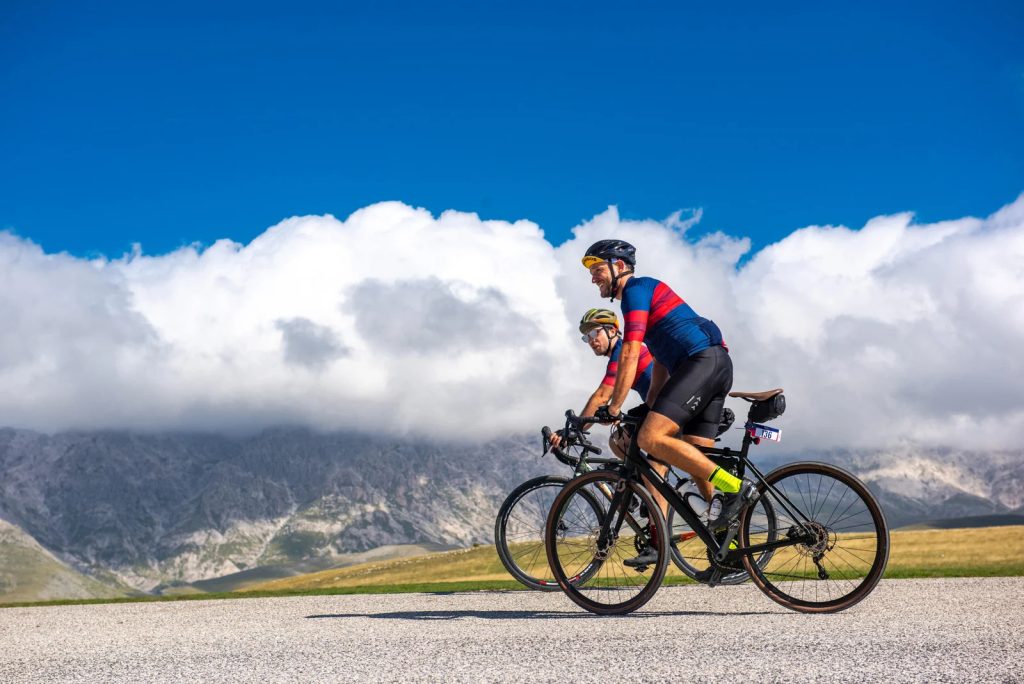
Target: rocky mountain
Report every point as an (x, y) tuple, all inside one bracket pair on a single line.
[(915, 485), (148, 511)]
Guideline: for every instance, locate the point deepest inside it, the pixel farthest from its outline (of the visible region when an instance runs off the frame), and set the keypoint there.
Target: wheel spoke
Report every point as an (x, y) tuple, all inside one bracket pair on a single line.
[(608, 585), (843, 544)]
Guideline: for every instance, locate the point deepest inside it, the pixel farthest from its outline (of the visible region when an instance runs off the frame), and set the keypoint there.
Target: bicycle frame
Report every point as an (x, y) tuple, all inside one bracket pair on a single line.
[(637, 465)]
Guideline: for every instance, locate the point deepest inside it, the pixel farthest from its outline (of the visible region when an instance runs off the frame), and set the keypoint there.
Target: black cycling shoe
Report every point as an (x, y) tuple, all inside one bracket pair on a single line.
[(704, 576), (648, 556), (733, 504)]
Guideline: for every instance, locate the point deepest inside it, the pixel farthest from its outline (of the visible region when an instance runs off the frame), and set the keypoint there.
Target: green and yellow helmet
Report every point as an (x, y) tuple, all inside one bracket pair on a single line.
[(598, 317)]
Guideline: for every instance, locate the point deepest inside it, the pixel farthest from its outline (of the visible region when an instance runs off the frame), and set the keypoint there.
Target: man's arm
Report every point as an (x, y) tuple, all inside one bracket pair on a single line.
[(659, 374), (626, 374), (598, 398), (636, 307)]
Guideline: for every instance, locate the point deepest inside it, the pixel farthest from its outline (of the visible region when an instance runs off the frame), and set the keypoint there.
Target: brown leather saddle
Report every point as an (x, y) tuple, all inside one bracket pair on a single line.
[(756, 396)]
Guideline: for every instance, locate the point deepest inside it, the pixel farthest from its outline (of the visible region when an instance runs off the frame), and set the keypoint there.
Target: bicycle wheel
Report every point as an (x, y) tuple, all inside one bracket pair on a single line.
[(586, 551), (690, 554), (847, 544), (519, 531)]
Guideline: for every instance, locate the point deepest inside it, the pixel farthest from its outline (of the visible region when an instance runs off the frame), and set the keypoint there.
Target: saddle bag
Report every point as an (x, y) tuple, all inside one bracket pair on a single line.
[(727, 420), (769, 409)]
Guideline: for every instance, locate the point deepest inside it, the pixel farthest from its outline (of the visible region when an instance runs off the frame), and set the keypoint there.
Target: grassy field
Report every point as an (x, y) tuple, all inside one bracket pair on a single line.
[(977, 552)]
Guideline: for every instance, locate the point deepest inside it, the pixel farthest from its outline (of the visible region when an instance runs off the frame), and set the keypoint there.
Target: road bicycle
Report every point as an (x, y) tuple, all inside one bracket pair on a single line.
[(519, 525), (823, 548)]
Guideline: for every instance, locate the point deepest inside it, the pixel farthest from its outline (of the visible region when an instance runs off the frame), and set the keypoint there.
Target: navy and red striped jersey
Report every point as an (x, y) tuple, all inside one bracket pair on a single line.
[(644, 369), (657, 316)]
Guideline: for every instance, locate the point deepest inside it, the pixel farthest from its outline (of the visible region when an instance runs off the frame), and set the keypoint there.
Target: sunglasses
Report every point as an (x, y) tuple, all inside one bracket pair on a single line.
[(592, 335)]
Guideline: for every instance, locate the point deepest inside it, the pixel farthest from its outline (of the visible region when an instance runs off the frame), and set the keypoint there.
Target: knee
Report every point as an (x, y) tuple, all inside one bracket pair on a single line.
[(647, 438)]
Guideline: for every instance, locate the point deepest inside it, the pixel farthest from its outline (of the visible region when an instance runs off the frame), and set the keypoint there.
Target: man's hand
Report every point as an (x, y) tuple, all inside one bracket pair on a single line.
[(556, 438), (605, 414)]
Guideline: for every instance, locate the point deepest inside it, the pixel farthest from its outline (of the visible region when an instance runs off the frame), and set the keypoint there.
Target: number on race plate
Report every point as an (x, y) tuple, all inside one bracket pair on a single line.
[(759, 431)]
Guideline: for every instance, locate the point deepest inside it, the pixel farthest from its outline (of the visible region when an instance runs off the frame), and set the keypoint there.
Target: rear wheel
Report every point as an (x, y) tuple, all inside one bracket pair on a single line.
[(844, 541), (519, 530), (586, 551)]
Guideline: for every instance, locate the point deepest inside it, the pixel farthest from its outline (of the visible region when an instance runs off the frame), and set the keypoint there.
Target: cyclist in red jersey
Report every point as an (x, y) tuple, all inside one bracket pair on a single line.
[(600, 329), (692, 375)]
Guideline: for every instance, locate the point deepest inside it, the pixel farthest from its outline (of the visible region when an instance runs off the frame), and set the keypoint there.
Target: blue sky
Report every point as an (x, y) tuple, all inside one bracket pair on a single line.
[(168, 125)]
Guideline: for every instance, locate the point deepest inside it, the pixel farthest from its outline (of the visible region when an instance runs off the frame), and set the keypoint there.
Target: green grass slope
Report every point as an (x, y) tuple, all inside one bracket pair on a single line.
[(977, 552), (28, 572)]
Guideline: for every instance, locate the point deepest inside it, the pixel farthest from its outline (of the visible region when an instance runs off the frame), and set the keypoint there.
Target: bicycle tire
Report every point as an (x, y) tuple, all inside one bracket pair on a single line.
[(851, 547), (691, 556), (572, 537), (519, 531)]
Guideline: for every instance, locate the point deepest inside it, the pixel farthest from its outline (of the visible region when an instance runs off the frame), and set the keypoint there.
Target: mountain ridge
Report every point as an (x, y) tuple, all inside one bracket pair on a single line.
[(154, 510)]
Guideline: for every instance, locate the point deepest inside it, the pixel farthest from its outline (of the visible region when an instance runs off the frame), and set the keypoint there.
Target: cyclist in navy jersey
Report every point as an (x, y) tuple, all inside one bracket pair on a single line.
[(600, 328), (691, 379)]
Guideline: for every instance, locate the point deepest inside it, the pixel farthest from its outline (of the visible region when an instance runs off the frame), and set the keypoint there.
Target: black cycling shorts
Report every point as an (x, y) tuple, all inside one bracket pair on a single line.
[(694, 394)]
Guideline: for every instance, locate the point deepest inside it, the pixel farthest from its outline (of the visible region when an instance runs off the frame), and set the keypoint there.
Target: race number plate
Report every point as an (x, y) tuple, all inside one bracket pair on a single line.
[(758, 431)]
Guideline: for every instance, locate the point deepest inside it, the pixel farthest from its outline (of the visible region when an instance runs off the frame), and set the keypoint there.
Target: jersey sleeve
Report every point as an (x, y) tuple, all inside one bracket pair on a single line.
[(609, 374), (636, 309), (613, 365)]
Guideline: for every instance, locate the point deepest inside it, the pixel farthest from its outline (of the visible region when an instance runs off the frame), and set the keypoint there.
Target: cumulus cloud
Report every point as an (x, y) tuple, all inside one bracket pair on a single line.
[(308, 344), (430, 315), (394, 320)]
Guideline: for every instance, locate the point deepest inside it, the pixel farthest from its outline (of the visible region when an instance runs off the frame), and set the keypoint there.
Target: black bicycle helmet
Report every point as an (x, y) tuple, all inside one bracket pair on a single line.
[(606, 250)]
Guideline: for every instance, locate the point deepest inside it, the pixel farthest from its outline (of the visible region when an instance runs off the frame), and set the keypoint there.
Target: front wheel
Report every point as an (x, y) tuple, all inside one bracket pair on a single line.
[(587, 551), (519, 530), (842, 541)]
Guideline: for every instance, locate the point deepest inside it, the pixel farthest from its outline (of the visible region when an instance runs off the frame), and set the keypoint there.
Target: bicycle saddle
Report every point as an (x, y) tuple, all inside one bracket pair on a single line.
[(756, 396)]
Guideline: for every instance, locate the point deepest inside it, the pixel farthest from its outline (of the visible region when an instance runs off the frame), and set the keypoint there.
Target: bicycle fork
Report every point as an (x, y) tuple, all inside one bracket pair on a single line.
[(618, 513)]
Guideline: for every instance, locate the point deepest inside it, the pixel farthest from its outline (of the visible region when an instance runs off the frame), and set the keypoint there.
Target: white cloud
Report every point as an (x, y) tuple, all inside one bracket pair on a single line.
[(395, 320)]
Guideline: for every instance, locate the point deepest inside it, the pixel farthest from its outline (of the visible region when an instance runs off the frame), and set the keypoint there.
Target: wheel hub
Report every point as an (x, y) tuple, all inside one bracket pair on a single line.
[(594, 541), (822, 539)]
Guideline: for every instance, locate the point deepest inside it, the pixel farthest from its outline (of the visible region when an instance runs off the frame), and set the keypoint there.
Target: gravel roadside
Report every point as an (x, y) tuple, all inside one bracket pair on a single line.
[(939, 630)]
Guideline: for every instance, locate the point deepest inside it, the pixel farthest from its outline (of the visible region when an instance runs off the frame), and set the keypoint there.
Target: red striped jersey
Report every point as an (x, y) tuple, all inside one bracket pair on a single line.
[(657, 316), (644, 369)]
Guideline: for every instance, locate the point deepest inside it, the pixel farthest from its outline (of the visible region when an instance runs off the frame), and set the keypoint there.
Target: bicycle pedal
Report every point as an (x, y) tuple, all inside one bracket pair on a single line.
[(641, 568), (716, 577)]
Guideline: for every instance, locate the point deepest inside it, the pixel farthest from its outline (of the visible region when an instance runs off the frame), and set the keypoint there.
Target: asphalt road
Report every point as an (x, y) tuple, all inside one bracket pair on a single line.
[(949, 630)]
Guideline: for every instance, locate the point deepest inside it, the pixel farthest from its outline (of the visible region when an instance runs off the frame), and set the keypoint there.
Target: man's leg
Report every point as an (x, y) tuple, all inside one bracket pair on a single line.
[(658, 437), (695, 390), (707, 490), (619, 444)]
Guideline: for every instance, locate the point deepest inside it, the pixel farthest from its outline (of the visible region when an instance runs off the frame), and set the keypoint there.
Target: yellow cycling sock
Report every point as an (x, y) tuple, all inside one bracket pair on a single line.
[(725, 481)]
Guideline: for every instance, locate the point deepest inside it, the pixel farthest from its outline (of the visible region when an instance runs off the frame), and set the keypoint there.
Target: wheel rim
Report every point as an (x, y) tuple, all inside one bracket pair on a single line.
[(524, 534), (844, 545), (593, 568)]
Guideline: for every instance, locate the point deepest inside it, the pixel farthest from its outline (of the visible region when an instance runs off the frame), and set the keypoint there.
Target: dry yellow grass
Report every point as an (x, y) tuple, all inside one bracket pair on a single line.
[(478, 563), (914, 553), (967, 552)]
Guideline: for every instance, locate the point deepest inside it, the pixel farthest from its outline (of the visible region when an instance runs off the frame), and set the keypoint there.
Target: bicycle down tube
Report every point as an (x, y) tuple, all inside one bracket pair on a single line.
[(640, 464)]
